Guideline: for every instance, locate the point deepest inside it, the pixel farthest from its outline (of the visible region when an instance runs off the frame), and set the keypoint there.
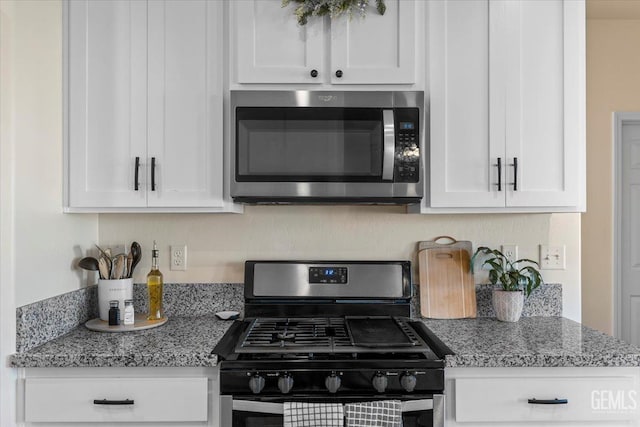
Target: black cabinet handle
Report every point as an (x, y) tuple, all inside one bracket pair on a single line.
[(515, 174), (499, 165), (339, 73), (153, 174), (136, 172), (548, 401), (314, 73), (112, 402)]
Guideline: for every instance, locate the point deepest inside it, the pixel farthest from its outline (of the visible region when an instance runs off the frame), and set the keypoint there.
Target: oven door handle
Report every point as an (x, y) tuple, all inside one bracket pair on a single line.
[(258, 407), (278, 408), (389, 144), (417, 405)]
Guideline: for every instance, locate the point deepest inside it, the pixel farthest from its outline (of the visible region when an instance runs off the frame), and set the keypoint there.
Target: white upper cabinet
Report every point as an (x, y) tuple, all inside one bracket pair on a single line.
[(270, 47), (379, 49), (145, 99), (107, 102), (185, 103), (507, 104)]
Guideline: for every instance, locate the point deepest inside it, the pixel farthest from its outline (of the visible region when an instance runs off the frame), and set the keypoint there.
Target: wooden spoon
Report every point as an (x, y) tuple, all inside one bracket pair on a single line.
[(118, 267), (103, 267)]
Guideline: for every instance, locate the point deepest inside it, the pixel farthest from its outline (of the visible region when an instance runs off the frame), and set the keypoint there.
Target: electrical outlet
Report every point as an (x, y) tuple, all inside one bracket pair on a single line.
[(510, 251), (552, 257), (178, 257)]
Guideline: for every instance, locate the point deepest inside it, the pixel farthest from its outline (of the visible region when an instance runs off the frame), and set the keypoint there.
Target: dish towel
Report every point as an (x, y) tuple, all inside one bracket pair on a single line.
[(303, 414), (382, 413)]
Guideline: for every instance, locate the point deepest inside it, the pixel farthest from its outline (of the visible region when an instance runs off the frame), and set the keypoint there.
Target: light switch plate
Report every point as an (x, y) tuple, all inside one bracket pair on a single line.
[(553, 257)]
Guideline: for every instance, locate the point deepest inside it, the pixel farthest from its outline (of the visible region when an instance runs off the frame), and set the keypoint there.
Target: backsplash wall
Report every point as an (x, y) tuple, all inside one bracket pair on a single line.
[(218, 244)]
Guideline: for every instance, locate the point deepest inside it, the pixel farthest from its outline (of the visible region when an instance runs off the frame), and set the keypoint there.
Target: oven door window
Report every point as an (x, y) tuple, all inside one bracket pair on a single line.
[(307, 144)]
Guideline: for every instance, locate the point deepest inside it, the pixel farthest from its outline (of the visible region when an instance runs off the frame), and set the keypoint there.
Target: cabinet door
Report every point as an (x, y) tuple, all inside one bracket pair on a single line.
[(376, 49), (185, 104), (107, 93), (545, 101), (270, 47), (467, 136)]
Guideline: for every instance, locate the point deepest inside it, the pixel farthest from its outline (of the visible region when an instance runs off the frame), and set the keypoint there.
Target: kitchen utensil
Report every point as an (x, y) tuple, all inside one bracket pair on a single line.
[(447, 288), (103, 268), (118, 267), (136, 252), (129, 262), (88, 263), (106, 254)]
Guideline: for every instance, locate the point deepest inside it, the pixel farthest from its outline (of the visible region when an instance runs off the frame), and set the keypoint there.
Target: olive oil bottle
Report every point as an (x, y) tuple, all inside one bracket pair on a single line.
[(154, 287)]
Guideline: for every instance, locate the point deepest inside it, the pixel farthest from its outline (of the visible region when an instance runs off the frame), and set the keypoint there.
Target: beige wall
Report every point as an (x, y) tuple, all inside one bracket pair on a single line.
[(45, 241), (48, 242), (219, 244), (613, 84)]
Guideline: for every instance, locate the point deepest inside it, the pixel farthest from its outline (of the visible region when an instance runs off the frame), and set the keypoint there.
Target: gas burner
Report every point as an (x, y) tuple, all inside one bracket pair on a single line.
[(284, 336), (356, 334)]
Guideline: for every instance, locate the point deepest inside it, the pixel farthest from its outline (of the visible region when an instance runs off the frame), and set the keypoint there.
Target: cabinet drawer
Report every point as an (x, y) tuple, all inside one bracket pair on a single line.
[(153, 399), (506, 399)]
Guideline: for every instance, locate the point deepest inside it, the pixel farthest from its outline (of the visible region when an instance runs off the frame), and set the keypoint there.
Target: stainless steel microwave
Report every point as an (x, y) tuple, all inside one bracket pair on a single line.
[(327, 147)]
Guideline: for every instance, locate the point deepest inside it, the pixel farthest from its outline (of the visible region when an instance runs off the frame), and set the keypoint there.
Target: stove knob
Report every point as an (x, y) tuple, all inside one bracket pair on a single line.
[(380, 382), (256, 383), (332, 382), (285, 383), (408, 381)]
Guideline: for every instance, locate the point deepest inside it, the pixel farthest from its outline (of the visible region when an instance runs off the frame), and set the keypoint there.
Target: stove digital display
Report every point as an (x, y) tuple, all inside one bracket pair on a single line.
[(328, 274)]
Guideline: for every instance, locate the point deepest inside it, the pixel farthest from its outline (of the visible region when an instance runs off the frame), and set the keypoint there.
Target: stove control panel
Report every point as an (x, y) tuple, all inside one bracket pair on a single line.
[(295, 381), (328, 274)]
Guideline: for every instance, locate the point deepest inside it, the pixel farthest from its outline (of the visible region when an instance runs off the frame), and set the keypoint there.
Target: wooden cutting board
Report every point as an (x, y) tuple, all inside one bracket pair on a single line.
[(447, 288)]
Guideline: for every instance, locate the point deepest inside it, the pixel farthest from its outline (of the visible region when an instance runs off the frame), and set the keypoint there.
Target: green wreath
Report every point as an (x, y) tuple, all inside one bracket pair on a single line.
[(333, 8)]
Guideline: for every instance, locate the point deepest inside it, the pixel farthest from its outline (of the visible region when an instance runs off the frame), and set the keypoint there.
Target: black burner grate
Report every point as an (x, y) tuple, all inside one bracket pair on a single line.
[(329, 335)]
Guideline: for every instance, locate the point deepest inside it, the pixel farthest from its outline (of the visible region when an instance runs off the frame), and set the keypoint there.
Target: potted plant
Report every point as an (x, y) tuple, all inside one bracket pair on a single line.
[(516, 279)]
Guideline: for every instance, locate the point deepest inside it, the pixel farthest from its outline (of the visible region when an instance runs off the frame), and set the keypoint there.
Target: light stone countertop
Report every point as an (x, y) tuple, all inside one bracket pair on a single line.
[(481, 342), (530, 342), (181, 342)]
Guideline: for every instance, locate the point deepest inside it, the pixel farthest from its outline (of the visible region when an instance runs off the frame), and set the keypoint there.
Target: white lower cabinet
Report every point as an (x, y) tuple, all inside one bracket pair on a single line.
[(119, 396), (535, 397)]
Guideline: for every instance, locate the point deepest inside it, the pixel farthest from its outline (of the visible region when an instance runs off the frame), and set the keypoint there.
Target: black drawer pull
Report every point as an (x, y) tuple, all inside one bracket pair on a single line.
[(548, 401), (112, 402)]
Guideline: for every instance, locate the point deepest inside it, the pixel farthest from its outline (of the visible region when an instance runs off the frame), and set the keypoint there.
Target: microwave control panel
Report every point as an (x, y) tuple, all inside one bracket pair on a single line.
[(407, 156)]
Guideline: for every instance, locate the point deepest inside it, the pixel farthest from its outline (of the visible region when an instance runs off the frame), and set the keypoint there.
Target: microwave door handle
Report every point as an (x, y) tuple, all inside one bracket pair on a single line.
[(389, 144), (258, 407)]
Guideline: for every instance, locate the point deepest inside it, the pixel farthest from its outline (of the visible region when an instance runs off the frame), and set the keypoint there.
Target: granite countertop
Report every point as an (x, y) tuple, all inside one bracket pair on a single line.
[(481, 342), (530, 342), (181, 342)]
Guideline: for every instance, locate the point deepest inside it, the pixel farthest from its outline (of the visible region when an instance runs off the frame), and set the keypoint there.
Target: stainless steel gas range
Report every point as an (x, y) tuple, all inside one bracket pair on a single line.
[(329, 332)]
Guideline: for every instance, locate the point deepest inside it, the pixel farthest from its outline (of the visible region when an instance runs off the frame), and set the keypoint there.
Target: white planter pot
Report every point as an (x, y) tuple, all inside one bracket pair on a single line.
[(508, 304)]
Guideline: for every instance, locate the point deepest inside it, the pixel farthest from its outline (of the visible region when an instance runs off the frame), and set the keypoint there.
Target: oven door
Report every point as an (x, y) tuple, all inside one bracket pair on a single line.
[(427, 412)]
